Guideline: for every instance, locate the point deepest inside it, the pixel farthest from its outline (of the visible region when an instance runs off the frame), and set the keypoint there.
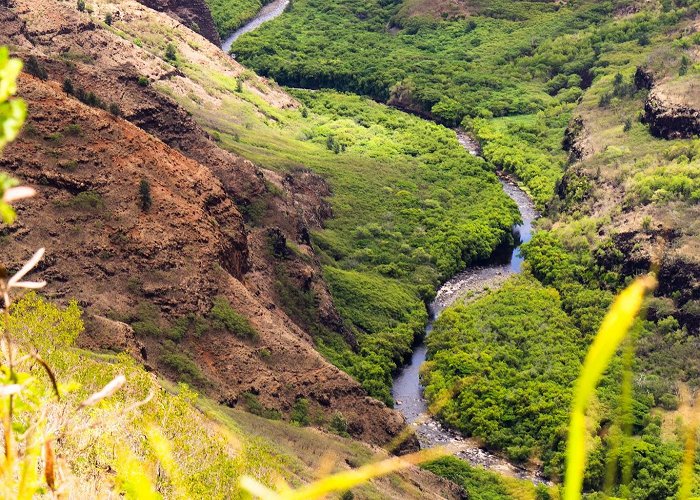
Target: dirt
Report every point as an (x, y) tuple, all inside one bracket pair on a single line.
[(193, 243), (194, 14), (449, 9)]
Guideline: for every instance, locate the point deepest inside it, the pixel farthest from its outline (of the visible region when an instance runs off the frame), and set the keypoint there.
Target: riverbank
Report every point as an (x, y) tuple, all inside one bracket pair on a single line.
[(466, 285)]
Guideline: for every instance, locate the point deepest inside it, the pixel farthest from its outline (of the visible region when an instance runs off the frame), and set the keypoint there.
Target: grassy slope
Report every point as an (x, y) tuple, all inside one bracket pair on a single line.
[(212, 446)]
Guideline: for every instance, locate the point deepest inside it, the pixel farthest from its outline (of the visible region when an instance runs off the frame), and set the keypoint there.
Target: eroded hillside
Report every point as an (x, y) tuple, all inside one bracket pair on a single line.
[(161, 268)]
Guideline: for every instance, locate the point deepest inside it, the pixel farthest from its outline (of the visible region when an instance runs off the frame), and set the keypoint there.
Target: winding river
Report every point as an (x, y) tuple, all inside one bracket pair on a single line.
[(267, 13), (407, 390)]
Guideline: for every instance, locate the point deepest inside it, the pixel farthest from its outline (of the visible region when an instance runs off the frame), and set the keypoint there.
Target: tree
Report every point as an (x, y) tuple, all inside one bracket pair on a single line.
[(170, 52), (115, 109), (68, 86), (145, 195), (108, 19), (35, 68)]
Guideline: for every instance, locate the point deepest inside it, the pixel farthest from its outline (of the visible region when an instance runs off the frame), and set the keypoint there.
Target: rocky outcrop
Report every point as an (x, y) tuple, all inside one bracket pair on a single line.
[(678, 275), (668, 110), (194, 14), (643, 78), (670, 120), (574, 140)]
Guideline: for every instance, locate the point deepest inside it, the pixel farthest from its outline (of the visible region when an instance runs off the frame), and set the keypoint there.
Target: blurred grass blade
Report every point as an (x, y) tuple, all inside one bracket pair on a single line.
[(132, 479), (612, 332), (345, 480), (50, 464), (164, 452), (687, 475)]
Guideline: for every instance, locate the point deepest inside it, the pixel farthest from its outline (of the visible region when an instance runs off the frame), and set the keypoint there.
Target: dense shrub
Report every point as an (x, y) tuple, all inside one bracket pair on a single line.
[(145, 199), (509, 360), (224, 317), (300, 412)]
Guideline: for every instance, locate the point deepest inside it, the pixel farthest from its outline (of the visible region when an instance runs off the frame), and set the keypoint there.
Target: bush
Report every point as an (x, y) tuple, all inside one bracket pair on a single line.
[(143, 81), (81, 5), (108, 19), (186, 369), (300, 412), (35, 68), (339, 425), (224, 317), (145, 320), (145, 200), (170, 52), (73, 130), (87, 200), (68, 86), (115, 109), (253, 405)]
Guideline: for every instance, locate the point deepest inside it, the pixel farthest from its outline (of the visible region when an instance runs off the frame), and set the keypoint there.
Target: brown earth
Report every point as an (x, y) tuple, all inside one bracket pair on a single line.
[(442, 9), (193, 13), (192, 245)]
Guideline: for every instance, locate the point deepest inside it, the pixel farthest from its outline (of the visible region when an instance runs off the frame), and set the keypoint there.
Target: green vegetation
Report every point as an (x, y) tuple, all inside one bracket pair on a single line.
[(300, 412), (145, 199), (482, 484), (170, 52), (224, 317), (87, 200), (229, 15), (512, 356), (183, 365), (252, 404)]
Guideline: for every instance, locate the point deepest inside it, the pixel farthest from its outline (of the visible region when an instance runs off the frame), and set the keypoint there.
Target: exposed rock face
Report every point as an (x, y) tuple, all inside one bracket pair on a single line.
[(643, 78), (678, 276), (670, 120), (194, 14), (574, 137)]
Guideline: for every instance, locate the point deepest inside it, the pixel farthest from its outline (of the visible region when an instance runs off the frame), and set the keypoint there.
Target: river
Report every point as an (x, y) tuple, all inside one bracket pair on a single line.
[(267, 13), (408, 391)]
